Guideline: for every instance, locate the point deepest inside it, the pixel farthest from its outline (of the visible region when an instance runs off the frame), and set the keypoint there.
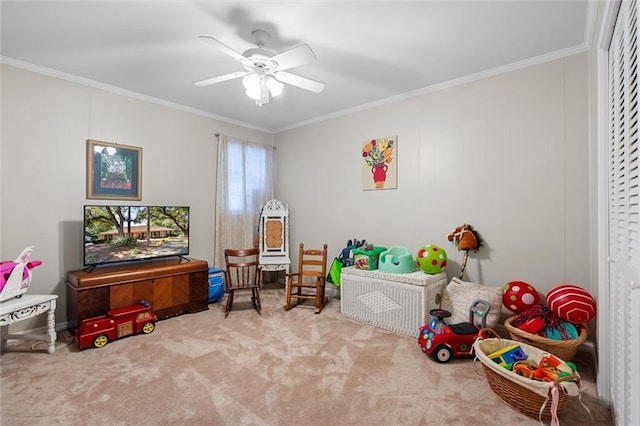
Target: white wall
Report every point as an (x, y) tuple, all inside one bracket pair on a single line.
[(508, 154), (45, 124)]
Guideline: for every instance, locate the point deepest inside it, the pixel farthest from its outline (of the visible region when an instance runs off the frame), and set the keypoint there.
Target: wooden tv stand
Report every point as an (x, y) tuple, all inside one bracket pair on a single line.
[(172, 286)]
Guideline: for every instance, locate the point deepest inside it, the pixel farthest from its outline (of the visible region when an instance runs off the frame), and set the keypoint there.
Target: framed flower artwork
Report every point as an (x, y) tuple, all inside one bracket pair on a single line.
[(379, 165), (114, 171)]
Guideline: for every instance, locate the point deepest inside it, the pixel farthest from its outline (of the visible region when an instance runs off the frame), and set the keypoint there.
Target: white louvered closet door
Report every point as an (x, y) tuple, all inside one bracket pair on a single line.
[(624, 232)]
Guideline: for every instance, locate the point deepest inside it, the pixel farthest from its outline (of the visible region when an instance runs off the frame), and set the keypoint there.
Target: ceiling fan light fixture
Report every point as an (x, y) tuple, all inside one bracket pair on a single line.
[(274, 86), (264, 94), (260, 88), (251, 82), (253, 88), (264, 73), (253, 94)]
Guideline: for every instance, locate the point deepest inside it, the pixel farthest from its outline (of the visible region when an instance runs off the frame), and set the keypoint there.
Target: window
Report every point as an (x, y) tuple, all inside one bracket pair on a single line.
[(247, 175), (244, 185)]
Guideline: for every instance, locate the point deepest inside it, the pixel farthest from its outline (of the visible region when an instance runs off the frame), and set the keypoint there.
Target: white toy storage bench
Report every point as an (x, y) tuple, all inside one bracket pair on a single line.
[(396, 302)]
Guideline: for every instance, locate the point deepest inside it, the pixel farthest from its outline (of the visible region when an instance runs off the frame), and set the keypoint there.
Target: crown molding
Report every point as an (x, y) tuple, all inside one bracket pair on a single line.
[(446, 85), (124, 92)]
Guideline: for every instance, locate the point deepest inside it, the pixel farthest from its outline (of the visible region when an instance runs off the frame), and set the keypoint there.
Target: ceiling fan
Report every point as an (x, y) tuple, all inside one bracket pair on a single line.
[(265, 71)]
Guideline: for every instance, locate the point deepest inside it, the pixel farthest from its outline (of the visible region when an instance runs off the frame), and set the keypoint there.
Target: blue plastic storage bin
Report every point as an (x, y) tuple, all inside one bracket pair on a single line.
[(216, 284)]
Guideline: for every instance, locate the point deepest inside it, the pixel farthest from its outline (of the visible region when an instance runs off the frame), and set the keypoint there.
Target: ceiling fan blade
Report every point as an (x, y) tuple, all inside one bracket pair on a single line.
[(221, 78), (294, 57), (223, 48), (301, 82)]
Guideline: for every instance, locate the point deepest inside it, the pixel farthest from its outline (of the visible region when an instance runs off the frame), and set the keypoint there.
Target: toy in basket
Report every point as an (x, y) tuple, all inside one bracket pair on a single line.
[(558, 326), (563, 349), (537, 399)]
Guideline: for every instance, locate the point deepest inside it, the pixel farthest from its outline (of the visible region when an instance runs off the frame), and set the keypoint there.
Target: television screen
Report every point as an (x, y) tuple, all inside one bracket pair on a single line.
[(127, 233)]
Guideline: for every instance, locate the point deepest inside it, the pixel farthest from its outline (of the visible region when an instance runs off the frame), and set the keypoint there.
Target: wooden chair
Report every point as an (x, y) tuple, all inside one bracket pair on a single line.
[(309, 282), (242, 273)]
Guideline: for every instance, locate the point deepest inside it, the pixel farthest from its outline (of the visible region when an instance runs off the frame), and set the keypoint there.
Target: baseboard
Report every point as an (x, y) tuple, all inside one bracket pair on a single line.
[(332, 291), (67, 336), (63, 336), (588, 348), (60, 327)]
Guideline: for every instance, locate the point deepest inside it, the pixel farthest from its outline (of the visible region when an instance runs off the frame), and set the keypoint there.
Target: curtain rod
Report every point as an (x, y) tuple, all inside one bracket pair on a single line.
[(218, 138)]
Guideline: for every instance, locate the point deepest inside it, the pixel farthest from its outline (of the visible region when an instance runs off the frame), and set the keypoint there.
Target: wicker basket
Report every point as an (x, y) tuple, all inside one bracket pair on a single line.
[(530, 397), (563, 349)]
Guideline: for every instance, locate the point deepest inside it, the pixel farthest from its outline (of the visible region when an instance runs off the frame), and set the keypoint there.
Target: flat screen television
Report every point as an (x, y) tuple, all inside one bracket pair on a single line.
[(115, 234)]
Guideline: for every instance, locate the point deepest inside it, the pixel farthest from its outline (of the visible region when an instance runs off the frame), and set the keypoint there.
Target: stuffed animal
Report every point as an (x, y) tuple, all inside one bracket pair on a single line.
[(346, 256), (465, 237), (367, 246)]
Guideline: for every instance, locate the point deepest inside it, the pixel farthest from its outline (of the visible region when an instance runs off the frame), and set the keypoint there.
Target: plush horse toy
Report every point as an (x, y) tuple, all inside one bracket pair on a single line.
[(466, 239)]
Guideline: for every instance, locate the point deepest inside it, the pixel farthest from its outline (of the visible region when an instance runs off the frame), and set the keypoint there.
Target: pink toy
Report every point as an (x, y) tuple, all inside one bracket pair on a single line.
[(15, 276), (571, 303), (518, 296)]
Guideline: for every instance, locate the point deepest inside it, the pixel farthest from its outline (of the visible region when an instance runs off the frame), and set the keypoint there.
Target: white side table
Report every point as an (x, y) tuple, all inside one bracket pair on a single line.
[(29, 306)]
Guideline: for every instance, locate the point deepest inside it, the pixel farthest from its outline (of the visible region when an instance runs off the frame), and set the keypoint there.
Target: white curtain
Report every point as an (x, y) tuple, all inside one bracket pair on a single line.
[(244, 184)]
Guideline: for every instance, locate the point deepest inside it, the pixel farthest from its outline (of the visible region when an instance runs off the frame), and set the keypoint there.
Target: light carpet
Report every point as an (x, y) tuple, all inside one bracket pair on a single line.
[(281, 368)]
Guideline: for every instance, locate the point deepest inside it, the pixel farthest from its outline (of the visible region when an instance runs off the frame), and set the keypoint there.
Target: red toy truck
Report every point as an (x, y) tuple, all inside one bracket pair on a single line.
[(120, 322)]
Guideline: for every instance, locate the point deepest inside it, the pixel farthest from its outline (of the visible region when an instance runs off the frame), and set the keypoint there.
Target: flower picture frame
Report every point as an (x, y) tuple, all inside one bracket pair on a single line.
[(379, 165), (114, 171)]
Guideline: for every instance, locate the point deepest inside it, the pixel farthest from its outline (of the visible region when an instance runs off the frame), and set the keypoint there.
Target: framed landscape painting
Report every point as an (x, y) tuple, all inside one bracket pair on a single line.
[(114, 171)]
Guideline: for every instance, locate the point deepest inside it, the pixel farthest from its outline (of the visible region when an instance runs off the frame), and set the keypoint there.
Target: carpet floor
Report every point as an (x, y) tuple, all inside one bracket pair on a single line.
[(280, 368)]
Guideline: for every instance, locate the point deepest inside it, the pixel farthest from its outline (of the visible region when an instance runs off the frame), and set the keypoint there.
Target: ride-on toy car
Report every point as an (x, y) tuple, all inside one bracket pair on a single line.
[(117, 323), (442, 341)]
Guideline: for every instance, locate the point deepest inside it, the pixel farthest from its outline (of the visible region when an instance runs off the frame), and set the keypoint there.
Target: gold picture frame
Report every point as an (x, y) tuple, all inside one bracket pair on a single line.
[(114, 171)]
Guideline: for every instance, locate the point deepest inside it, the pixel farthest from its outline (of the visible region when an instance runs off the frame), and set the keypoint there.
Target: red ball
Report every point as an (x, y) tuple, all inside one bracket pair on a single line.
[(518, 296), (571, 303)]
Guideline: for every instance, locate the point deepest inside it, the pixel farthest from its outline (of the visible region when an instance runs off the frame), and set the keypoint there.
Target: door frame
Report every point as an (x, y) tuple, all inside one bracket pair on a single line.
[(603, 380)]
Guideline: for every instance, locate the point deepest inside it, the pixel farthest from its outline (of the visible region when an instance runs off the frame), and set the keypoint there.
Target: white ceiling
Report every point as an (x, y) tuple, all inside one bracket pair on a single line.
[(367, 52)]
